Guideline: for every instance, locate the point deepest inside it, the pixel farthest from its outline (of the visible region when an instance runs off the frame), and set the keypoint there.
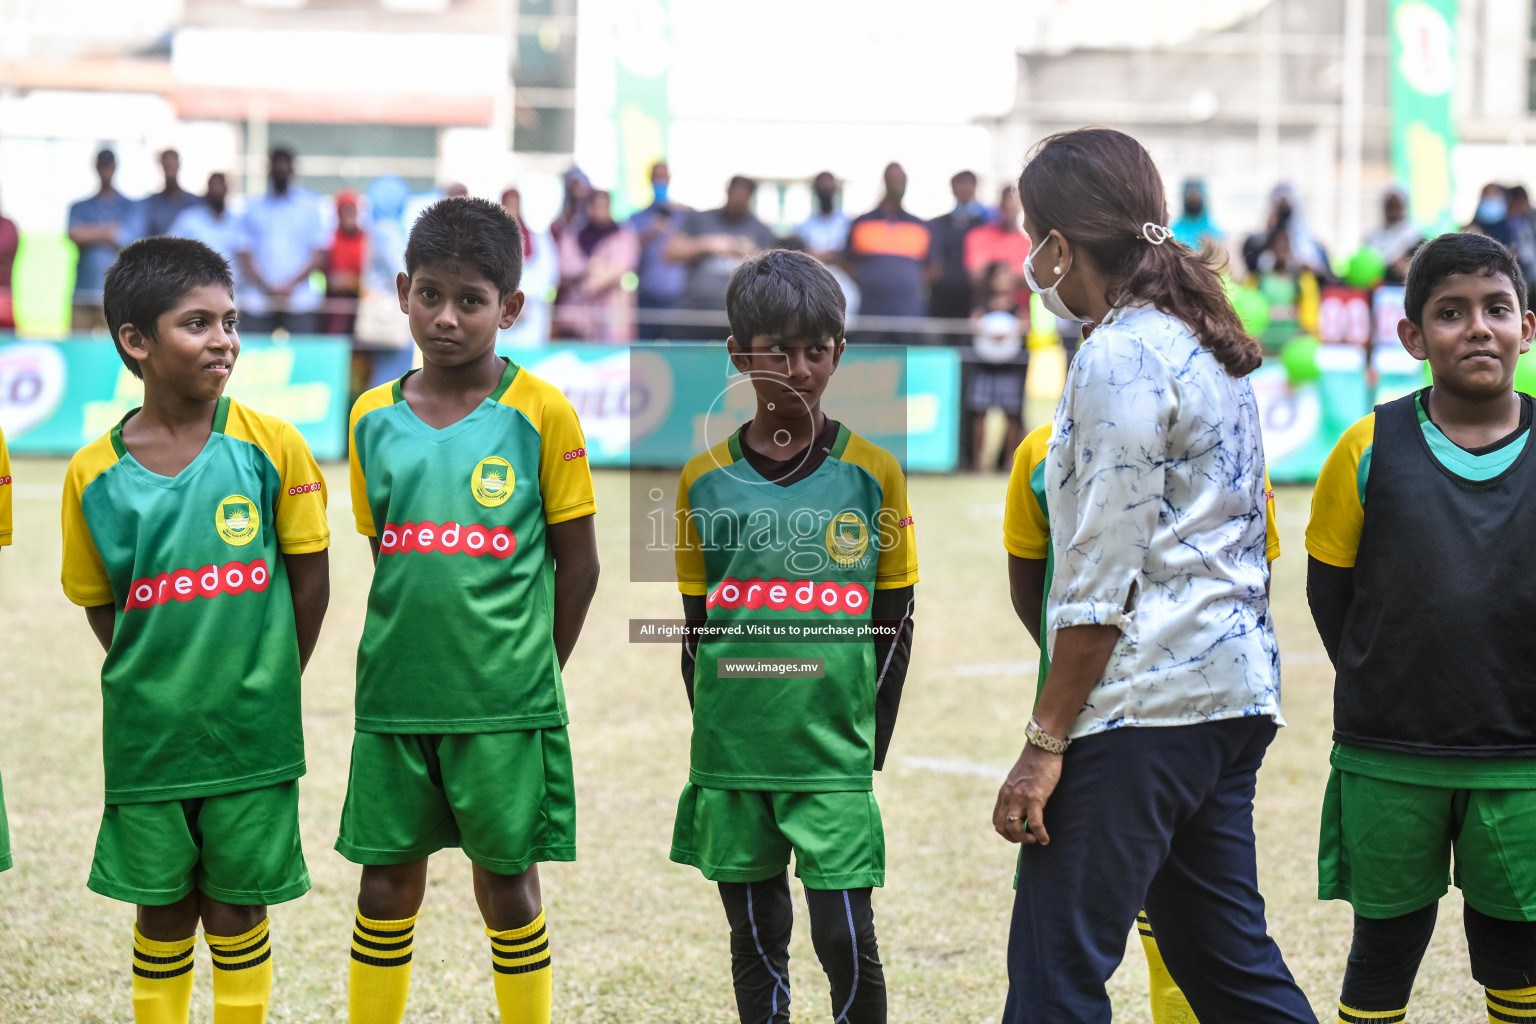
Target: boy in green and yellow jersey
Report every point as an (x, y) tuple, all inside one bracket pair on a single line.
[(1027, 538), (195, 538), (5, 539), (793, 522), (470, 480), (1420, 578)]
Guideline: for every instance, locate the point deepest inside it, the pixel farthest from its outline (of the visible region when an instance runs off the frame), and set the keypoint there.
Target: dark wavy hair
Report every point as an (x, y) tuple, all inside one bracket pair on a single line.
[(786, 294), (476, 231), (1459, 253), (1098, 187), (149, 278)]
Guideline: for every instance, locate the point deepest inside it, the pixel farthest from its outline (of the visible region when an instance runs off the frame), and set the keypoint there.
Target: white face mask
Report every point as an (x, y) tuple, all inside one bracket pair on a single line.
[(1048, 296)]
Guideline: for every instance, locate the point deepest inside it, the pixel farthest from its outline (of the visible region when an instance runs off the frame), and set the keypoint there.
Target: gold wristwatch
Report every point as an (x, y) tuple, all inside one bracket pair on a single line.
[(1036, 736)]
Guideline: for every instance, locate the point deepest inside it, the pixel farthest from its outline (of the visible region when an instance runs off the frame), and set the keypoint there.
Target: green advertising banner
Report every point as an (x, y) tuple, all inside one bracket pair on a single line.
[(41, 283), (1423, 73), (641, 114), (659, 405), (56, 397)]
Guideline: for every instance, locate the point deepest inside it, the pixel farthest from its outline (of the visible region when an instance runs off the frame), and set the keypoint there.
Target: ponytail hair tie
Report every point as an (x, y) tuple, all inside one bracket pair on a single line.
[(1157, 234)]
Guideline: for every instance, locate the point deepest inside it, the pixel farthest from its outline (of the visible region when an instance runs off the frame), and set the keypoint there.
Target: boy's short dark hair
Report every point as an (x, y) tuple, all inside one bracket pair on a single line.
[(477, 231), (1459, 253), (788, 295), (150, 277)]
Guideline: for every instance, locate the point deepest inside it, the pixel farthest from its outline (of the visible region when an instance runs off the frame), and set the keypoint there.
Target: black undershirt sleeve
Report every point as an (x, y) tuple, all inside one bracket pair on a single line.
[(894, 608), (1330, 590), (696, 612)]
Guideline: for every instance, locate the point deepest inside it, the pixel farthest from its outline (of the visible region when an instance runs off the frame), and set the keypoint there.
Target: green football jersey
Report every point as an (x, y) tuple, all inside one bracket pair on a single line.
[(805, 557), (200, 687), (460, 629)]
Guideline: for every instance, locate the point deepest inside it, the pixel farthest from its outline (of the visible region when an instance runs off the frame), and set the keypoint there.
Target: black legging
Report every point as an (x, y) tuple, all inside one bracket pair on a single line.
[(842, 931), (1385, 955)]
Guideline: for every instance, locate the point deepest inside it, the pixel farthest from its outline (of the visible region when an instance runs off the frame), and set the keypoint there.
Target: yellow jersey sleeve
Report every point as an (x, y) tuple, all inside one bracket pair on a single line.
[(1271, 524), (896, 531), (1338, 512), (362, 513), (5, 493), (688, 553), (302, 527), (84, 576), (565, 478), (1026, 528)]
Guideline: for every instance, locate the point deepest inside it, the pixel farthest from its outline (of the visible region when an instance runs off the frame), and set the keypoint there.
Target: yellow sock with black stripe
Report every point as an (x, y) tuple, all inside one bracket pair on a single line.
[(520, 958), (1512, 1005), (162, 979), (1168, 1003), (380, 979), (242, 975), (1349, 1015)]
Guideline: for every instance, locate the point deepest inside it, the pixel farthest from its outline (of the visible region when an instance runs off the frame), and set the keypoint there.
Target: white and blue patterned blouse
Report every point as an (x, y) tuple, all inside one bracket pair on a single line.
[(1155, 479)]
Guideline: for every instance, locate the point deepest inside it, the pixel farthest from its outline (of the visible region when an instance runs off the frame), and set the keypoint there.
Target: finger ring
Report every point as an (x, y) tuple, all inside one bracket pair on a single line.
[(1012, 817)]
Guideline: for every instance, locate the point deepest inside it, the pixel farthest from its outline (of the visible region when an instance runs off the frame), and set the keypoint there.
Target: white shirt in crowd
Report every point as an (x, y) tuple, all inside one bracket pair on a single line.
[(282, 234), (1155, 481), (222, 233), (825, 232)]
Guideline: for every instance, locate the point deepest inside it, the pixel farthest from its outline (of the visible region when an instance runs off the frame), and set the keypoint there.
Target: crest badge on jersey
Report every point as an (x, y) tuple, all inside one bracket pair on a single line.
[(492, 481), (237, 520), (847, 538)]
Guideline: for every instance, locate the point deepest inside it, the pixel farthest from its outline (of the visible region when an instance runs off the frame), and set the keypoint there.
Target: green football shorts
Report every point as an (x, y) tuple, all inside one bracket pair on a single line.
[(1386, 847), (241, 848), (5, 834), (739, 835), (507, 798)]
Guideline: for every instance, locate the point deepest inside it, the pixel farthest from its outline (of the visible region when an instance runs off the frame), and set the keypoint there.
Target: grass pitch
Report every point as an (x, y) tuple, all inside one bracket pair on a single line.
[(637, 939)]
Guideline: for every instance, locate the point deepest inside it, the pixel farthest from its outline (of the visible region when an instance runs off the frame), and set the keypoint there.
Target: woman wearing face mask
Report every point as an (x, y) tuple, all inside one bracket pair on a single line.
[(1135, 786), (1491, 217)]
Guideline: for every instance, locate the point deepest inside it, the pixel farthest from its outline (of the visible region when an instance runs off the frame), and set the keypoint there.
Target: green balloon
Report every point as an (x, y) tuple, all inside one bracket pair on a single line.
[(1278, 289), (1525, 373), (1366, 268), (1252, 308), (1299, 359)]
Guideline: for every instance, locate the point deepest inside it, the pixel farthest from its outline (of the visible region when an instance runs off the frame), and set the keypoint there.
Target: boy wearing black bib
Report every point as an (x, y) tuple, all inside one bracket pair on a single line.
[(1422, 582)]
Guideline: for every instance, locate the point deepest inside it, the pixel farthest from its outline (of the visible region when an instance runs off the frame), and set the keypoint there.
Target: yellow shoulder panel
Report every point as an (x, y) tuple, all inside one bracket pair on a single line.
[(1333, 530), (381, 397), (1026, 531), (300, 507), (565, 477), (5, 492), (689, 552), (896, 530), (1271, 524), (84, 575), (374, 398)]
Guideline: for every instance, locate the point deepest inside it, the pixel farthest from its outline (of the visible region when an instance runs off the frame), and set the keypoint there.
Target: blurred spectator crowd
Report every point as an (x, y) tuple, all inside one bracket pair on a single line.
[(309, 264), (306, 263)]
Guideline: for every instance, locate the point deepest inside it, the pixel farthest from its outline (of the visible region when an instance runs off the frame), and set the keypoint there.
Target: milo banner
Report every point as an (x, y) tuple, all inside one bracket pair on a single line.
[(665, 403), (1303, 420), (1423, 71), (57, 396)]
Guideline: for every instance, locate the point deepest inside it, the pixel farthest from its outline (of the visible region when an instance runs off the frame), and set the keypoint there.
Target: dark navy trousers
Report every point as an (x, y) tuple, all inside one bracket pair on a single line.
[(1161, 818)]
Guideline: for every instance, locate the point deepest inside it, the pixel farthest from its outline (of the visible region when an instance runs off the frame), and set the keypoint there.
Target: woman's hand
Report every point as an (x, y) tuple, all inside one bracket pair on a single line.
[(1019, 816)]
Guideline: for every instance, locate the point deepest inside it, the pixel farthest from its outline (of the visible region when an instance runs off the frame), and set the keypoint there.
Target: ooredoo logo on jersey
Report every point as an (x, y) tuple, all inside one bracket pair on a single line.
[(492, 481), (237, 520)]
